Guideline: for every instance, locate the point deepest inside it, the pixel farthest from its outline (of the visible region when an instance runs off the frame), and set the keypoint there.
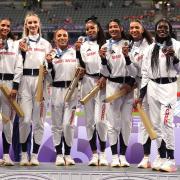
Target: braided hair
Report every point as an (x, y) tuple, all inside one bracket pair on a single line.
[(168, 42)]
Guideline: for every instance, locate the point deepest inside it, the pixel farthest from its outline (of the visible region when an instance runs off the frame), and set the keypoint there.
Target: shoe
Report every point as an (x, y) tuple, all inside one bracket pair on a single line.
[(34, 160), (24, 159), (69, 160), (145, 163), (123, 161), (102, 159), (156, 165), (94, 161), (169, 166), (60, 160), (7, 160), (115, 161)]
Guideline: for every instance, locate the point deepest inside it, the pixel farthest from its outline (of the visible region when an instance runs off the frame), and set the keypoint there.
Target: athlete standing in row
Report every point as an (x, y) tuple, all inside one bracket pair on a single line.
[(140, 41), (115, 58), (62, 68), (10, 74), (34, 48), (94, 109), (159, 71)]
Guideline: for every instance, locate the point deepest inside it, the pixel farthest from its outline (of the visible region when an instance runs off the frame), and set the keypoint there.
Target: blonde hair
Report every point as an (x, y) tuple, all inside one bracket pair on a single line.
[(25, 30)]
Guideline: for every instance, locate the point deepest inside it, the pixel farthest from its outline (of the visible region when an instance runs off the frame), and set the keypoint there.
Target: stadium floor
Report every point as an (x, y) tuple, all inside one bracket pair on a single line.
[(48, 171)]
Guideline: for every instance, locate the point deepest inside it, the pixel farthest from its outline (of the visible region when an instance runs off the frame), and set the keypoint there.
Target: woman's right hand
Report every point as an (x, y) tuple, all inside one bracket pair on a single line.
[(78, 44), (137, 101), (50, 56), (102, 52), (82, 73), (23, 46)]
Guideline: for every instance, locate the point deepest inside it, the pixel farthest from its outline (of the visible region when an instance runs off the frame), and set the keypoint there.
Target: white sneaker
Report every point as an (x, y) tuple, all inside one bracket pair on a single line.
[(102, 159), (24, 159), (123, 161), (94, 160), (34, 160), (169, 166), (145, 163), (156, 165), (60, 160), (69, 160), (115, 161), (7, 160)]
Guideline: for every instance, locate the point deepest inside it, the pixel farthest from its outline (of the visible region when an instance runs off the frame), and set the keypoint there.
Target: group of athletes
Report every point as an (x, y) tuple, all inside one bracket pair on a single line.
[(115, 62)]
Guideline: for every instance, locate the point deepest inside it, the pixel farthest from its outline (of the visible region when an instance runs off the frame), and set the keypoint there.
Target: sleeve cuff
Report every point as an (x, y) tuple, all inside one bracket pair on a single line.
[(50, 65), (175, 60), (78, 55), (103, 61), (15, 85), (143, 92), (131, 82), (128, 61)]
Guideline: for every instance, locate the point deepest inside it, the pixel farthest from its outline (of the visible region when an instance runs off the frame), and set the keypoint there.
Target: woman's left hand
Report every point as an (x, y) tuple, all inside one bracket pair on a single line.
[(169, 51), (13, 94), (101, 82), (125, 51)]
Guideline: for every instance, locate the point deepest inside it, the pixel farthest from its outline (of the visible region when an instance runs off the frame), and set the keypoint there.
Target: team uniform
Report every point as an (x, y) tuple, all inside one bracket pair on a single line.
[(63, 69), (11, 68), (136, 55), (119, 111), (94, 108), (38, 47), (161, 93)]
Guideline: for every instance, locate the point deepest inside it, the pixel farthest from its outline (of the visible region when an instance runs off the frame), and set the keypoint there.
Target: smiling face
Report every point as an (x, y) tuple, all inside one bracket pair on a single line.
[(114, 30), (163, 29), (61, 38), (4, 28), (32, 24), (91, 30), (136, 30)]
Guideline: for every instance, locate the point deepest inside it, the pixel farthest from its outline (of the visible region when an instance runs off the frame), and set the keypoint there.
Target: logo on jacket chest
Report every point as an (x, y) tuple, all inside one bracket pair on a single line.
[(162, 55), (139, 57), (90, 53), (36, 49), (65, 61), (116, 57), (7, 53)]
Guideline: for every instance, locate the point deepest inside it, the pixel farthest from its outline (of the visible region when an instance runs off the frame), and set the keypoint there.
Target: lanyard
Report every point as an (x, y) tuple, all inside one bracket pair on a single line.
[(5, 44), (111, 43), (59, 52), (36, 41)]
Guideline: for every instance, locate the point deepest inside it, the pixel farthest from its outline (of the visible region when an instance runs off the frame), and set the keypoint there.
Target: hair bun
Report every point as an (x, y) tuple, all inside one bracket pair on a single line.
[(93, 18)]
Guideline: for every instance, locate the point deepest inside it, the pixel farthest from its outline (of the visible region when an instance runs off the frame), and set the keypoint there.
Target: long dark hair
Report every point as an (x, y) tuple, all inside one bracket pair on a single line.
[(100, 36), (167, 41), (123, 35), (10, 34), (146, 34)]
